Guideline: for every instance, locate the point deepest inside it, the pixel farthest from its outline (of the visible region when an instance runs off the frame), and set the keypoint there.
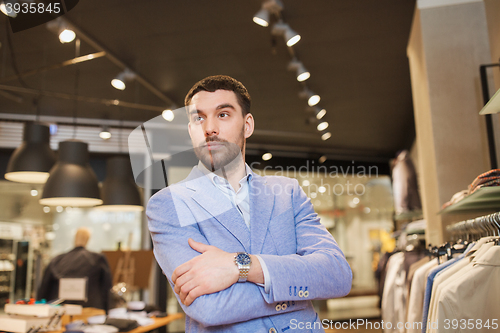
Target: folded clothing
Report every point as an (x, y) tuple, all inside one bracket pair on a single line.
[(489, 178)]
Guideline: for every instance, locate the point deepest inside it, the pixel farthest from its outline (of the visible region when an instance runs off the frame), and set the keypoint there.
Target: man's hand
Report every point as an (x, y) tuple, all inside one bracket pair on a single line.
[(212, 271)]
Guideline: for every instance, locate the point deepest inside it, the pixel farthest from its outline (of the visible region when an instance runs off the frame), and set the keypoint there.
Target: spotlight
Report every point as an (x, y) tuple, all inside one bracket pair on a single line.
[(67, 36), (105, 133), (7, 7), (302, 73), (321, 113), (322, 126), (60, 27), (263, 15), (322, 159), (168, 115), (312, 98), (267, 156), (119, 81), (34, 193), (325, 136), (318, 112), (291, 37)]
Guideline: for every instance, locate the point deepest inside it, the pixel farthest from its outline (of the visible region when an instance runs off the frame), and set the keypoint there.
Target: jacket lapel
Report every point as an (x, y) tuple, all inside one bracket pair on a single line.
[(261, 207), (218, 206)]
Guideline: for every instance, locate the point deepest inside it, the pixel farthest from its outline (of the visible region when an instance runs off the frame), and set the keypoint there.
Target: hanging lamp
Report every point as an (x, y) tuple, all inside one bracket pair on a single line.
[(33, 159), (72, 182), (119, 191)]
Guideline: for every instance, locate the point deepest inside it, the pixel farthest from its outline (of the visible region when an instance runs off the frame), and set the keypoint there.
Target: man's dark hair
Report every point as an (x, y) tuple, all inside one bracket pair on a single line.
[(222, 82)]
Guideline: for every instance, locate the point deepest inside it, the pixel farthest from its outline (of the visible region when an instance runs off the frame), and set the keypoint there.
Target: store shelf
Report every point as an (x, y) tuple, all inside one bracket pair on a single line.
[(493, 105), (486, 198)]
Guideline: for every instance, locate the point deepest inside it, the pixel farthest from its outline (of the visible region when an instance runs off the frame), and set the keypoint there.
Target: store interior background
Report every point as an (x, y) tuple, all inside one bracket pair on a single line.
[(391, 74)]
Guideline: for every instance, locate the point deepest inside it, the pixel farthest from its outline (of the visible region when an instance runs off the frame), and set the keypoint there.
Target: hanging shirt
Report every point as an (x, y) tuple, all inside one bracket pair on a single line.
[(473, 298)]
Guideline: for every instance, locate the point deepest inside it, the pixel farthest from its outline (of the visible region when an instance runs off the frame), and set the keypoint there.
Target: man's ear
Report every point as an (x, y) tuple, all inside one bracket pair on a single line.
[(249, 125)]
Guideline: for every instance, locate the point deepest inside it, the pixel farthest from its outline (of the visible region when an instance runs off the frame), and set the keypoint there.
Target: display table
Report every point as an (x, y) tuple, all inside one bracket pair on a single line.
[(90, 312)]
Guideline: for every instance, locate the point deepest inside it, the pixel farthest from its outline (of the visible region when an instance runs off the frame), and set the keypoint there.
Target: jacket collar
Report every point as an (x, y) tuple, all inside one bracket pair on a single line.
[(218, 206)]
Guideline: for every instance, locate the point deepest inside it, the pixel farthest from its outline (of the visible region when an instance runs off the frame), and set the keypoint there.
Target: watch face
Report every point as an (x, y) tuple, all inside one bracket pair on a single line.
[(243, 259)]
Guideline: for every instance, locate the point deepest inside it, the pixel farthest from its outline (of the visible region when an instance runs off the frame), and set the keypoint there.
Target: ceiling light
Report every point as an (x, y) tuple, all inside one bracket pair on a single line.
[(59, 209), (62, 29), (33, 159), (119, 191), (105, 134), (322, 126), (302, 73), (46, 209), (8, 10), (321, 113), (119, 81), (281, 28), (312, 98), (267, 156), (34, 193), (306, 183), (321, 189), (322, 159), (168, 115), (262, 17), (325, 136), (72, 181), (314, 195), (67, 36)]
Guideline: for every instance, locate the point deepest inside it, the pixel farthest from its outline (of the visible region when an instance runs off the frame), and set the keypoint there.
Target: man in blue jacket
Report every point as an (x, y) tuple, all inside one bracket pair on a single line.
[(243, 253)]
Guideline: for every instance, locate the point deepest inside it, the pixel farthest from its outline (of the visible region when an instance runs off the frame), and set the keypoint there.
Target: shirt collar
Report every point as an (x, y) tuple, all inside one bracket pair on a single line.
[(216, 179)]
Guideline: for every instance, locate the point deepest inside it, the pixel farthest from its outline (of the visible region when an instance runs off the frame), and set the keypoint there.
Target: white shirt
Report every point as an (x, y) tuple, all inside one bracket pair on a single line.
[(472, 297), (241, 200)]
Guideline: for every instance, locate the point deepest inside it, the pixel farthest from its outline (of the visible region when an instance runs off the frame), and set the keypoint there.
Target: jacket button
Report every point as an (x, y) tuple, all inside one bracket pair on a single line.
[(278, 307), (272, 330), (284, 306), (301, 293), (306, 293)]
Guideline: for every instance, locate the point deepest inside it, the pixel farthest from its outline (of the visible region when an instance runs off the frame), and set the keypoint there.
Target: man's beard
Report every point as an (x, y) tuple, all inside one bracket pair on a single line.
[(226, 156)]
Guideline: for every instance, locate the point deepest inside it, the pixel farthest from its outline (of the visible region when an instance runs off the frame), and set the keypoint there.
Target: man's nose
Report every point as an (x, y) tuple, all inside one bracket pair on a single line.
[(211, 127)]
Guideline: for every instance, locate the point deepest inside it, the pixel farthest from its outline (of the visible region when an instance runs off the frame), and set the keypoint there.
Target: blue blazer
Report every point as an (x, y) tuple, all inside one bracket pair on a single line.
[(303, 259)]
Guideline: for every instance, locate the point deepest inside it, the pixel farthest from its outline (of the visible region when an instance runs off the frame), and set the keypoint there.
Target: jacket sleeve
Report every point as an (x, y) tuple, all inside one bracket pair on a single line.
[(318, 270), (238, 303)]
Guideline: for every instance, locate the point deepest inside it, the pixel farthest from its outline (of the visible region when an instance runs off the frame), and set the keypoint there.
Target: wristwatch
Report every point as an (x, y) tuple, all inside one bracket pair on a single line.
[(243, 261)]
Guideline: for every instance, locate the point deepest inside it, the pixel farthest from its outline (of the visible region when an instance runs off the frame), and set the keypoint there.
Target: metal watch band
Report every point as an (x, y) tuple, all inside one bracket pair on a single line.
[(243, 268)]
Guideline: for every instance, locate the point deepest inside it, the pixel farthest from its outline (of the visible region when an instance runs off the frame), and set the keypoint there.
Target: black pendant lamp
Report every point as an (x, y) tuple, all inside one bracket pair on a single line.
[(72, 181), (33, 159), (119, 191)]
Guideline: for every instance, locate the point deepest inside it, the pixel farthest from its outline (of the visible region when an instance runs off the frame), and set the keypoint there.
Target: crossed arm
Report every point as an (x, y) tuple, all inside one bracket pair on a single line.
[(212, 271)]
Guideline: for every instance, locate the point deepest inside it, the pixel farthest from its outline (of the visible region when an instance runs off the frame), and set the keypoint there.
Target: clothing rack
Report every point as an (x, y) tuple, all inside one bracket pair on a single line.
[(473, 229)]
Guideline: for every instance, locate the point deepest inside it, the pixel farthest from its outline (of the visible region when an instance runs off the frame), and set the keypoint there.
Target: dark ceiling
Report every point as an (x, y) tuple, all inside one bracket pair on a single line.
[(355, 51)]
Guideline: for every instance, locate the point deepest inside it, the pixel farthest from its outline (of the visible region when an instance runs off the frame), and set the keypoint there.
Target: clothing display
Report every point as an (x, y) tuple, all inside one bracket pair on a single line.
[(454, 289), (490, 178)]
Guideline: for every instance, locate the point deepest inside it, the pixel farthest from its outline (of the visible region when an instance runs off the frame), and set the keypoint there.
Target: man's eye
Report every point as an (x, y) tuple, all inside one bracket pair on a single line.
[(223, 115), (197, 118)]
